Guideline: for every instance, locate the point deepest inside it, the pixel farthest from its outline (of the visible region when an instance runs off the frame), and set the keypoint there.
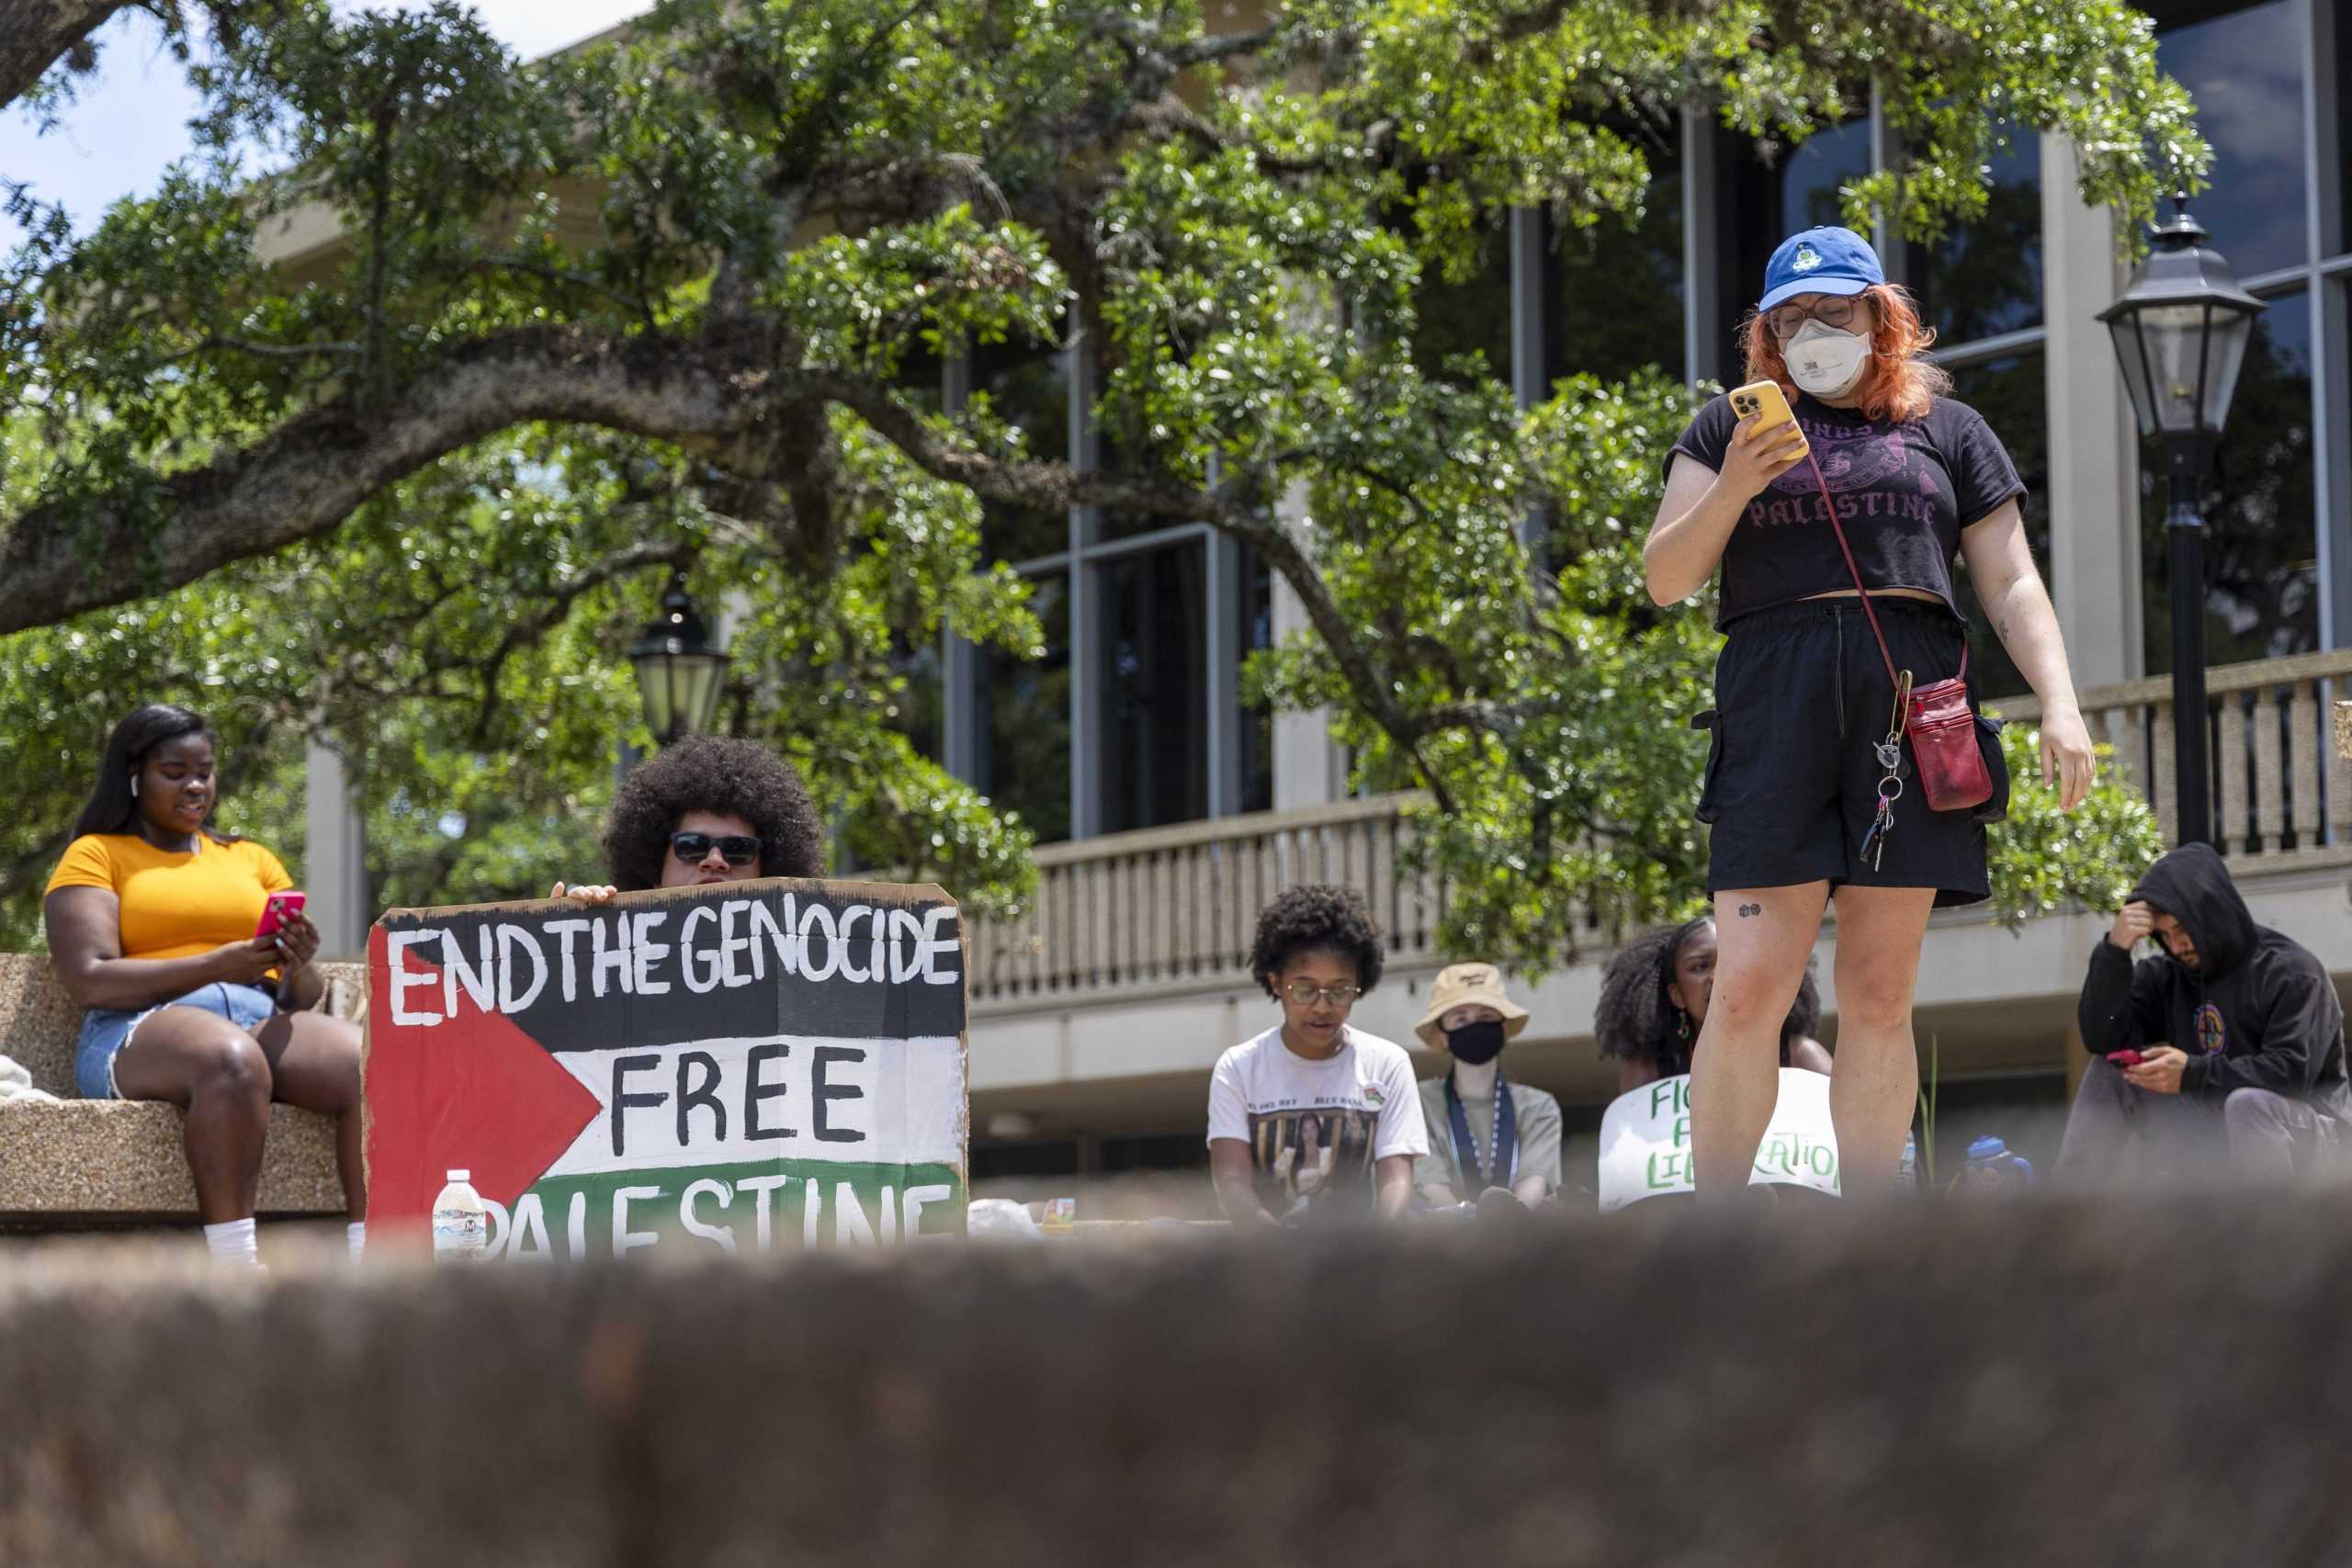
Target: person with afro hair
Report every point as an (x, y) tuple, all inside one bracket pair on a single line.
[(1314, 1119), (708, 808), (1653, 1001)]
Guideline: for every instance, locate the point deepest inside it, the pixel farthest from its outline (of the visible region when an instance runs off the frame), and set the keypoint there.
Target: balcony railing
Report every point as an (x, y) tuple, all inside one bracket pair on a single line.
[(1176, 908), (2280, 794)]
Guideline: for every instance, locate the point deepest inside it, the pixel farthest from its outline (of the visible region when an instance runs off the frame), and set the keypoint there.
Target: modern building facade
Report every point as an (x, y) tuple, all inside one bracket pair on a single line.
[(1169, 810), (1130, 742)]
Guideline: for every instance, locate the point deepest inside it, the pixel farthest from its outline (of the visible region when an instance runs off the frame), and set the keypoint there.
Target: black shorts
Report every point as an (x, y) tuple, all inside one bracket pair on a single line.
[(1802, 696)]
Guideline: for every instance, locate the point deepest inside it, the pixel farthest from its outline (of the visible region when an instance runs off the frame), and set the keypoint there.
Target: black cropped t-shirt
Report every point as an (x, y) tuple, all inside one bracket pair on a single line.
[(1903, 490)]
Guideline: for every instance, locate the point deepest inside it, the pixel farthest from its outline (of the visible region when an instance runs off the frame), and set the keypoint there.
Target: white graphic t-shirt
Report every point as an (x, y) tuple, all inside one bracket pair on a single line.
[(1314, 1129)]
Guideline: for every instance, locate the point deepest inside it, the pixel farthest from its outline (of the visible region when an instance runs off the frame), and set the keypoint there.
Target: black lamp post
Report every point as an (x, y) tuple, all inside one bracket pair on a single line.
[(680, 671), (2181, 331)]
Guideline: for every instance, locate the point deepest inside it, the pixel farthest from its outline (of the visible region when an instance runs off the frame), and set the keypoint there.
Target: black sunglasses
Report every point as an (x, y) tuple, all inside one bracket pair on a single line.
[(741, 848)]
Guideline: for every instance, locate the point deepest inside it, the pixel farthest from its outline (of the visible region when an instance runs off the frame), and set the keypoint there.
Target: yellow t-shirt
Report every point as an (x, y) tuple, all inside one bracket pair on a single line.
[(176, 905)]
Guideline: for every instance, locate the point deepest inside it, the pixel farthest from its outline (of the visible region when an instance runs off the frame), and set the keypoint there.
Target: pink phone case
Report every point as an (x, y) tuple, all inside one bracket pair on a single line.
[(273, 913)]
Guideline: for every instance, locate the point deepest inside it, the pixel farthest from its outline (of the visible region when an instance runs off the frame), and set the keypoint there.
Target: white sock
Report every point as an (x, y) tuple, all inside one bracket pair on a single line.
[(232, 1242), (355, 1233)]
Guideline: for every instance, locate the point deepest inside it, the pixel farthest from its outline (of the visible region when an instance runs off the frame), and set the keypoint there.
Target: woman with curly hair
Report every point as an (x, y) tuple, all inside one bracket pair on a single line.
[(1654, 1001), (1314, 1119), (1907, 480), (709, 808)]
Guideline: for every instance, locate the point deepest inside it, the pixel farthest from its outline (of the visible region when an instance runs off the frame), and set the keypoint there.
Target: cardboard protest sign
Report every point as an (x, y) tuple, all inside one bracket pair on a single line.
[(741, 1066), (1646, 1139)]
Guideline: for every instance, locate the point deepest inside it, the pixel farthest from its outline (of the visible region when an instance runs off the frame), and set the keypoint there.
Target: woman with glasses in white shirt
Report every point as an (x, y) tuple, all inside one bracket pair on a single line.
[(1315, 1120)]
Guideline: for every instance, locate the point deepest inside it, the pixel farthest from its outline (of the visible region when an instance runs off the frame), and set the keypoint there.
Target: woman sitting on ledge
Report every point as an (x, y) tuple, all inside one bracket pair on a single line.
[(1653, 1000), (152, 916)]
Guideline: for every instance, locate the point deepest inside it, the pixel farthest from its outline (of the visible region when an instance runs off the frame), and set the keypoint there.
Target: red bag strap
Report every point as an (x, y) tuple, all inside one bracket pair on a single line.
[(1829, 505)]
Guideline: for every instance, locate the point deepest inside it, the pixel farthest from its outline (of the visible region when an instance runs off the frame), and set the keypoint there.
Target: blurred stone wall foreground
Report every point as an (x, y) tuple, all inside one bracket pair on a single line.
[(2032, 1383)]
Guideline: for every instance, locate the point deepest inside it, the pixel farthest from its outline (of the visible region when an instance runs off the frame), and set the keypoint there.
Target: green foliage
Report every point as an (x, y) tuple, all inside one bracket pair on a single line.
[(831, 196), (2044, 860), (469, 674)]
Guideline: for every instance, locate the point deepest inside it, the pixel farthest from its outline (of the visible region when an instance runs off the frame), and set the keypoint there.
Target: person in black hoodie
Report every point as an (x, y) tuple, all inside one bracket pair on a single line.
[(2237, 1026)]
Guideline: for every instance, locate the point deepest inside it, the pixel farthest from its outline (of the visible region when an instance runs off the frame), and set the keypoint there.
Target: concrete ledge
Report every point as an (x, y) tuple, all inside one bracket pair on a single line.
[(1933, 1384), (39, 1025), (39, 1022), (119, 1158)]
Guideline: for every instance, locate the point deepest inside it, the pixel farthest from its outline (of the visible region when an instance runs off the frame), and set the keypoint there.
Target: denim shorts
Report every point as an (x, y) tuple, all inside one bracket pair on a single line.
[(106, 1031), (1792, 782)]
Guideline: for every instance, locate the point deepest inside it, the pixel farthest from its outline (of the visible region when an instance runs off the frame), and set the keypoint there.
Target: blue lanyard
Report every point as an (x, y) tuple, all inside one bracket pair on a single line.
[(1466, 1148)]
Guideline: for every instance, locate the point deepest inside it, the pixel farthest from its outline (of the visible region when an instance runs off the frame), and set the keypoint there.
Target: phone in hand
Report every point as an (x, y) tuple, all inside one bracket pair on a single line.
[(2124, 1058), (1764, 402), (279, 913)]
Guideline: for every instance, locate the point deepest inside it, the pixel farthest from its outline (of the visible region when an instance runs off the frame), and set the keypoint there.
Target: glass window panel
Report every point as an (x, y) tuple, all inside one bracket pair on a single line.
[(1813, 171), (1615, 296), (2130, 357), (2013, 397), (2225, 361), (2245, 71), (1115, 446), (1765, 201), (1471, 317), (2340, 241), (1257, 631), (1027, 389), (1024, 720), (2174, 336), (2261, 567), (1155, 687), (1986, 279), (916, 710)]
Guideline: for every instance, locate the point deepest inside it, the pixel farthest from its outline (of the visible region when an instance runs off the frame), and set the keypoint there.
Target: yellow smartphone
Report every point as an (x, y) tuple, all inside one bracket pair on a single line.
[(1765, 403)]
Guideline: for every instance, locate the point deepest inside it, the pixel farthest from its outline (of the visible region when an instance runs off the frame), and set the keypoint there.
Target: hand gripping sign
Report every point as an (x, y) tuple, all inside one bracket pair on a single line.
[(739, 1067), (1646, 1139)]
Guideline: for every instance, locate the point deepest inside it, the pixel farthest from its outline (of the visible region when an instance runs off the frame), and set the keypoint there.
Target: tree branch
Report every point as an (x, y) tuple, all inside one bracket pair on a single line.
[(148, 533), (1057, 486), (37, 34)]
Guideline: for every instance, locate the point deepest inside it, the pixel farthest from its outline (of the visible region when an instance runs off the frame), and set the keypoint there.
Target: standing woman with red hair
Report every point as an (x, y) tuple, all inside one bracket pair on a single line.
[(1803, 694)]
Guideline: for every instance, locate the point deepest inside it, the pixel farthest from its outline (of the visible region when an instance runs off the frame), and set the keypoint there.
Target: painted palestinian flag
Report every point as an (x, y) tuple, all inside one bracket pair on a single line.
[(737, 1067)]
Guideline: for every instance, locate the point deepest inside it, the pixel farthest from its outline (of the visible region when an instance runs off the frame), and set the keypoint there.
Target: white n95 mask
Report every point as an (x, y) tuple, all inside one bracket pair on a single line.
[(1827, 361)]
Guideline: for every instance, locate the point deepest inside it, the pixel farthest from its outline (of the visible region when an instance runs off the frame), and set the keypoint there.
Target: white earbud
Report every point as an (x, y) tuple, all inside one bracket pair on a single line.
[(134, 786)]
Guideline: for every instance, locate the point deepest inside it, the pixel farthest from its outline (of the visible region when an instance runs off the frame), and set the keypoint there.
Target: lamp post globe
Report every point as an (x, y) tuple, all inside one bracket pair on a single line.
[(681, 672), (2181, 331)]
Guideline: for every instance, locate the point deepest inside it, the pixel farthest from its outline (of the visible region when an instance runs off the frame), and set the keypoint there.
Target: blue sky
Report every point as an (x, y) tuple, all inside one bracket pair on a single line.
[(132, 122)]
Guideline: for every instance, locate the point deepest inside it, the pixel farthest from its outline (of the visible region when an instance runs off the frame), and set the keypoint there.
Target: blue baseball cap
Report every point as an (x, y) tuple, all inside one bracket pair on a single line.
[(1820, 261)]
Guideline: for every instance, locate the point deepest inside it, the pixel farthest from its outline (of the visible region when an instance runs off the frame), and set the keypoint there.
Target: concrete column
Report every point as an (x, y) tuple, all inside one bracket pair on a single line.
[(1529, 370), (1088, 712), (1223, 673), (1309, 769), (336, 871), (2095, 565), (1702, 323)]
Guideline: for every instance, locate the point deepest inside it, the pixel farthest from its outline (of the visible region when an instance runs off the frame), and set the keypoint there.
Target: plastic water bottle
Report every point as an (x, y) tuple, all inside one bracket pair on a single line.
[(461, 1222), (1906, 1175), (1992, 1167)]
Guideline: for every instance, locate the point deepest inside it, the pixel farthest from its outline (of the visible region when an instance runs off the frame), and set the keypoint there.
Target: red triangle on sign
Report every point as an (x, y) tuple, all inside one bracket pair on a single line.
[(472, 1092)]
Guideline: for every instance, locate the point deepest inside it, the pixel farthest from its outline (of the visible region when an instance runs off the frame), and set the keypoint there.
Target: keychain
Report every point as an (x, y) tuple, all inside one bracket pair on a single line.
[(1890, 787)]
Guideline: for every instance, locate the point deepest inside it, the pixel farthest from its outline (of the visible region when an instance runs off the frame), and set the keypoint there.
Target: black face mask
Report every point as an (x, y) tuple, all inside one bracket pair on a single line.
[(1477, 1044)]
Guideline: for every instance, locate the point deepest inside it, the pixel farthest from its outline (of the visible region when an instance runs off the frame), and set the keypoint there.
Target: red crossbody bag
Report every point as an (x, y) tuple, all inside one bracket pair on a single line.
[(1939, 719)]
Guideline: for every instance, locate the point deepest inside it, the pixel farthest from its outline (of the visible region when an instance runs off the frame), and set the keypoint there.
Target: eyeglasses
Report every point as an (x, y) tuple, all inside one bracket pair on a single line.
[(741, 848), (1306, 993), (1838, 310)]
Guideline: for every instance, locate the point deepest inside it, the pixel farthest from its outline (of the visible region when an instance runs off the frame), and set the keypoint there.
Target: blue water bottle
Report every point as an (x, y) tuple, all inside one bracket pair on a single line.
[(1992, 1167)]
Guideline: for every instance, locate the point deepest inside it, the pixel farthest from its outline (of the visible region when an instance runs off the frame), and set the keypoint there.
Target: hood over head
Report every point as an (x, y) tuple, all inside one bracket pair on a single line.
[(2193, 885)]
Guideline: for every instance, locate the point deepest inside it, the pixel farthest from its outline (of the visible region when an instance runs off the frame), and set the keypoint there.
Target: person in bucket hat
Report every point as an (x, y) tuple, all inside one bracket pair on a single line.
[(1485, 1133)]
